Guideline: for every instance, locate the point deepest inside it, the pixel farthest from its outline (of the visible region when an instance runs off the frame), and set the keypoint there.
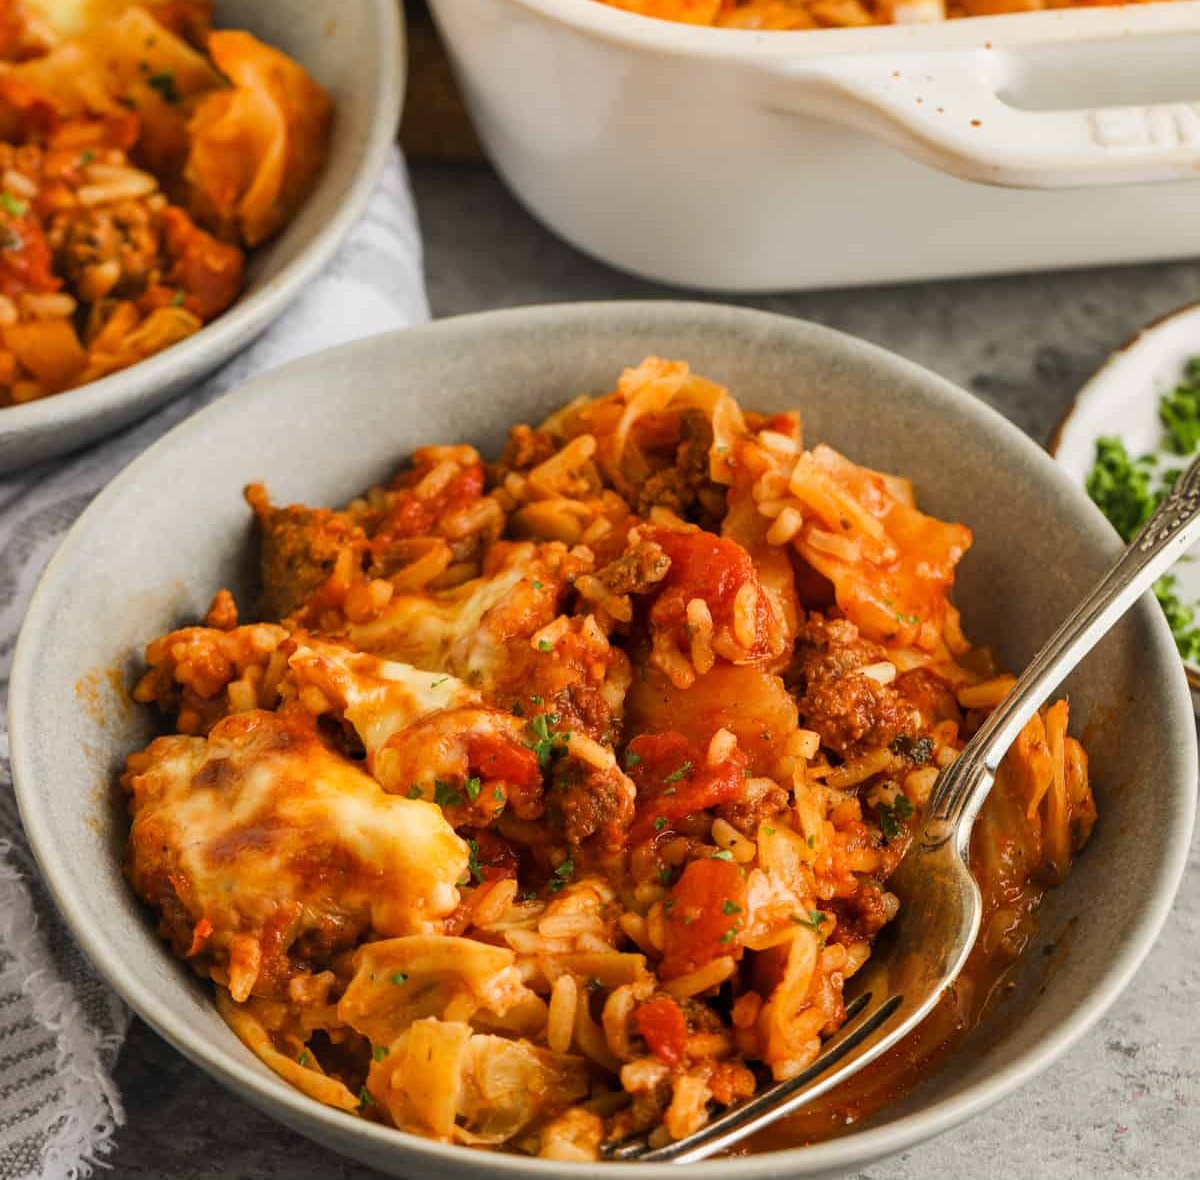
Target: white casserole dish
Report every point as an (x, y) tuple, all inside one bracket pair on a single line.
[(752, 161)]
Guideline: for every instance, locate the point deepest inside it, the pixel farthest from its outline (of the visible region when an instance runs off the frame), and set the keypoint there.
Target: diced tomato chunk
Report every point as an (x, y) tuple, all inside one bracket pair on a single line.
[(713, 569), (703, 565), (498, 759), (24, 255), (208, 271), (703, 916), (661, 1022), (673, 781), (496, 756)]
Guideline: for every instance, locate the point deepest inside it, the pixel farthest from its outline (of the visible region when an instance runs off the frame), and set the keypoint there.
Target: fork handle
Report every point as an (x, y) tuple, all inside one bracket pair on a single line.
[(1166, 536)]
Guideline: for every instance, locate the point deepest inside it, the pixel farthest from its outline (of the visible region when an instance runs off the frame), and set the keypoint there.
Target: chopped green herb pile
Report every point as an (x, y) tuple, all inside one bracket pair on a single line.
[(1179, 411), (1122, 488), (1128, 490), (1182, 618)]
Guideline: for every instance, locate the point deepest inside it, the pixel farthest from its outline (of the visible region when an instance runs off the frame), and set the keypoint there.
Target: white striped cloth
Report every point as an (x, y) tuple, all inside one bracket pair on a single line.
[(60, 1027)]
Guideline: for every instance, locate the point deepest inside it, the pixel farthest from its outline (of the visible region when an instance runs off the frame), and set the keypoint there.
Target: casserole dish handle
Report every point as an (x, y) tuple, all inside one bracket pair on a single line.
[(947, 108)]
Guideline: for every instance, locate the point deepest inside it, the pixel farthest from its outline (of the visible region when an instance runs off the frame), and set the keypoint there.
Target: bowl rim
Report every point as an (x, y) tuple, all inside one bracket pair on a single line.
[(248, 316), (248, 1077)]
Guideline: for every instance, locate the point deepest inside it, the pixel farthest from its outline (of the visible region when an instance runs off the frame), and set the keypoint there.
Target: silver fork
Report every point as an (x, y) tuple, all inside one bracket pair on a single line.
[(941, 906)]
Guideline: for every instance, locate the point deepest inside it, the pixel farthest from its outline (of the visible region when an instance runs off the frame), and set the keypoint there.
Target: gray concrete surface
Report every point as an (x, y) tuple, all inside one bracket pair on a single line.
[(1123, 1103)]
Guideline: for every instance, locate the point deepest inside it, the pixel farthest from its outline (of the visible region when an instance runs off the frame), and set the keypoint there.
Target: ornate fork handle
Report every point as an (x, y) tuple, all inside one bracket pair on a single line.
[(1166, 536), (1173, 513)]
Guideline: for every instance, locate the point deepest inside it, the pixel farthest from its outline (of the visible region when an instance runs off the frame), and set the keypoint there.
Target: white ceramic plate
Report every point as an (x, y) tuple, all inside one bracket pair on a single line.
[(1122, 400)]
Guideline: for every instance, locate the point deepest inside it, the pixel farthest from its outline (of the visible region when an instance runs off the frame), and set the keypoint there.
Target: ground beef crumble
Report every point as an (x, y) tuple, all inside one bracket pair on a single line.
[(851, 712)]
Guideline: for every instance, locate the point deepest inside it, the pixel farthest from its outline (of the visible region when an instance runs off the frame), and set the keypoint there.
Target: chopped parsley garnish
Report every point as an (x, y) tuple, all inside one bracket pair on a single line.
[(473, 786), (415, 792), (380, 1052), (812, 841), (666, 876), (537, 700), (730, 907), (474, 872), (364, 1097), (438, 682), (399, 979), (631, 759), (675, 776), (444, 795), (892, 816), (178, 298), (529, 895), (723, 854), (498, 794), (164, 83), (729, 934), (812, 921), (537, 583), (545, 645), (304, 1058), (562, 875), (660, 823), (13, 205), (546, 742), (898, 616)]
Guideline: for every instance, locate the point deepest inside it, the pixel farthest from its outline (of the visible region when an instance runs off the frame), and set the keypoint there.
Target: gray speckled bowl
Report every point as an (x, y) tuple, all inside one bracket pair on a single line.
[(148, 553), (355, 48)]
